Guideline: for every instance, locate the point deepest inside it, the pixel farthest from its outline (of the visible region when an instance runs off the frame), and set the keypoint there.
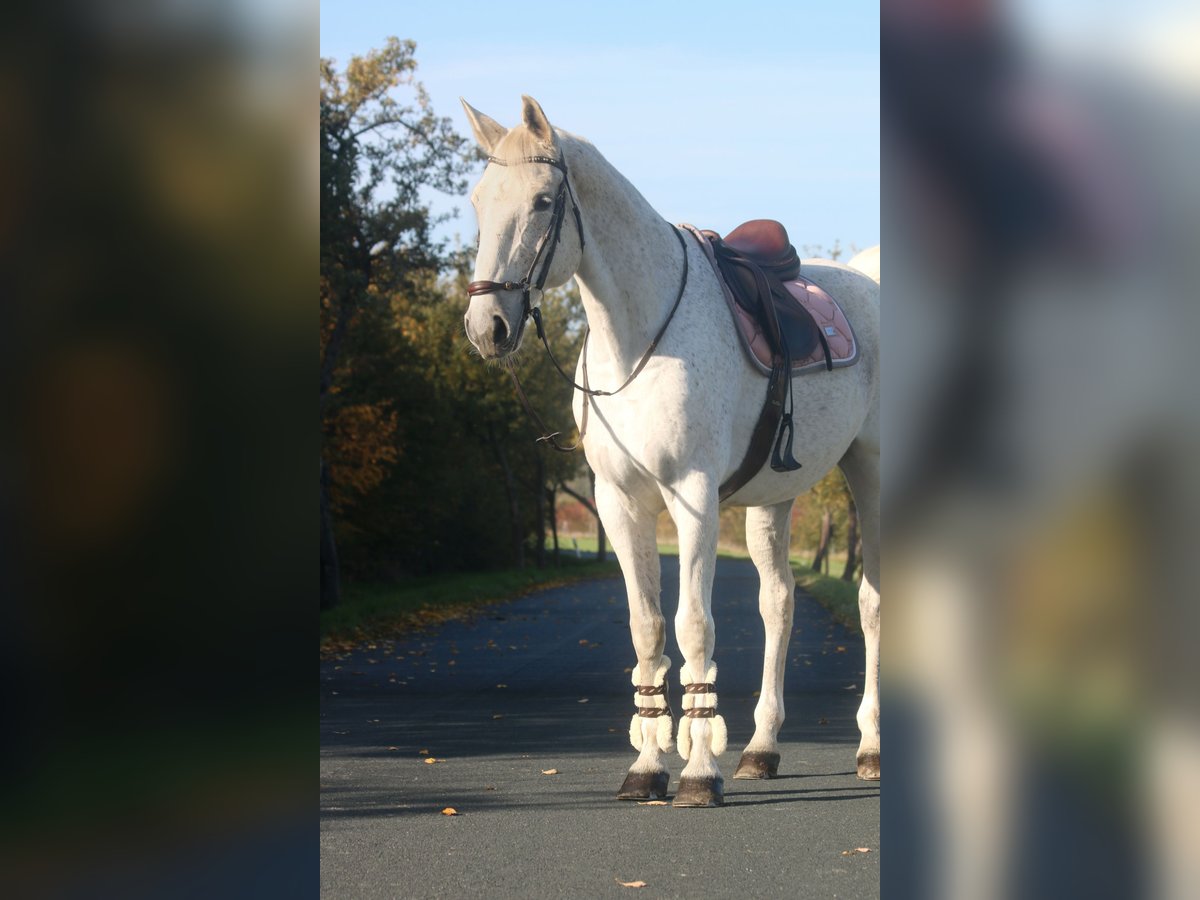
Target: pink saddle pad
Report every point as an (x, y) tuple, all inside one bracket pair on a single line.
[(843, 348)]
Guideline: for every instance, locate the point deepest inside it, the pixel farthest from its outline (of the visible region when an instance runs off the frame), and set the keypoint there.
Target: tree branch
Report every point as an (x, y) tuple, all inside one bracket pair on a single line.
[(562, 485)]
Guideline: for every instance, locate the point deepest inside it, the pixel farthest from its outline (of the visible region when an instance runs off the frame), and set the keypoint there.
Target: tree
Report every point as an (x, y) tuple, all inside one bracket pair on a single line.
[(380, 146), (830, 495)]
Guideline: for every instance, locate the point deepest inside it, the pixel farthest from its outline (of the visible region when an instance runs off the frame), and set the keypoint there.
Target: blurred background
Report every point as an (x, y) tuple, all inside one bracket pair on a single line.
[(1040, 223)]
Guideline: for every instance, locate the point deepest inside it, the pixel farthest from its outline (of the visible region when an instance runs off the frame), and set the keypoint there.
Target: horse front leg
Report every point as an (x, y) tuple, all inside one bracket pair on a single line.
[(767, 532), (702, 735), (631, 529)]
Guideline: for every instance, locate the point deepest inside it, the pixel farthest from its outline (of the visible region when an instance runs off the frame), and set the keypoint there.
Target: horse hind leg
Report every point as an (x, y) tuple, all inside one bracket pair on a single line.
[(767, 538), (861, 468), (632, 533)]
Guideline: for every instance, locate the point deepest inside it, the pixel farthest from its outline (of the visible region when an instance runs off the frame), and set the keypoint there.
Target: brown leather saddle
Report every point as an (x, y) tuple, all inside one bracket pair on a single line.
[(757, 262)]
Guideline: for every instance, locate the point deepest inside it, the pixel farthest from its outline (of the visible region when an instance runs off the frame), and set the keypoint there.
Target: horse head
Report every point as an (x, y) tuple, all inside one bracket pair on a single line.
[(521, 202)]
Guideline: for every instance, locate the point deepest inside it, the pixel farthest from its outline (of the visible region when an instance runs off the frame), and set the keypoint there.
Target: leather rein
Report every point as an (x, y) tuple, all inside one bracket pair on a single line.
[(544, 253)]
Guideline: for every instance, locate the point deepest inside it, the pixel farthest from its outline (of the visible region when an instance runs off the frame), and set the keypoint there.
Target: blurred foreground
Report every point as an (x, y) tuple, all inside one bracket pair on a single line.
[(1041, 223)]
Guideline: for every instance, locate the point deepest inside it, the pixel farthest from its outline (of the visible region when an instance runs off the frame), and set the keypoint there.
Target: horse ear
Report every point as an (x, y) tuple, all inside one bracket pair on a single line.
[(487, 130), (535, 120)]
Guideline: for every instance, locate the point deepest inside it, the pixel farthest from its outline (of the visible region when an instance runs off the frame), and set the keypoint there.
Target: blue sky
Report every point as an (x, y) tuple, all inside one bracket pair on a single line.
[(715, 117)]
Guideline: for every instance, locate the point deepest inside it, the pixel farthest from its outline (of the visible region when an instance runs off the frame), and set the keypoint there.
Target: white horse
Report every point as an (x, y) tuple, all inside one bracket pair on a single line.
[(679, 428)]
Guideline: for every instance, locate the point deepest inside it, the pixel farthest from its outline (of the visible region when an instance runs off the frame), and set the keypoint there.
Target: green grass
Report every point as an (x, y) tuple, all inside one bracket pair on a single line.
[(837, 596), (369, 611)]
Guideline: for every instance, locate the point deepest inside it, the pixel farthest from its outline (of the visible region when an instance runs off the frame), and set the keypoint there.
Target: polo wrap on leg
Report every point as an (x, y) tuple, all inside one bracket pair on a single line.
[(700, 702), (652, 703)]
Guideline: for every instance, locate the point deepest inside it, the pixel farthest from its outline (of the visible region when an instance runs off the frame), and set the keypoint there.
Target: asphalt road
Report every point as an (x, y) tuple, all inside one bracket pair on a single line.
[(542, 683)]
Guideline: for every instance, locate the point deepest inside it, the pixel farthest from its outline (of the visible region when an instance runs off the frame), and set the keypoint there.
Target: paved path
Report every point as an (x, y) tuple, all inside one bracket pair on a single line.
[(542, 683)]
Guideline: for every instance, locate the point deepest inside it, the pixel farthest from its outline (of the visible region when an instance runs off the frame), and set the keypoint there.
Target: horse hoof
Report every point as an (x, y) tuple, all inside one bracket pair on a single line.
[(757, 765), (644, 786), (700, 792), (868, 766)]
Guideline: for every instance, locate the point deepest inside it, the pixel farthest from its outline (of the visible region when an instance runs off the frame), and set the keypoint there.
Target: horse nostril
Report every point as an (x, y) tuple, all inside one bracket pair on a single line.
[(499, 330)]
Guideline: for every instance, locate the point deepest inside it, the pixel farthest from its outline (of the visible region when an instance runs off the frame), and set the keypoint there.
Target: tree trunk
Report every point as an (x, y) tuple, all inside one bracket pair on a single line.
[(601, 549), (540, 495), (552, 503), (851, 541), (331, 587), (822, 557), (514, 501)]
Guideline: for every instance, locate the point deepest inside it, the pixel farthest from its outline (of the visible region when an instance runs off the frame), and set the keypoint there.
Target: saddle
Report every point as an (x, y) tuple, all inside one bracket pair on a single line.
[(760, 265), (760, 270)]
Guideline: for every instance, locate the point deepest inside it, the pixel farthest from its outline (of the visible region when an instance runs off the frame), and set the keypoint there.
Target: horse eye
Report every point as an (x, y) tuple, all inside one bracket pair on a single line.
[(543, 202)]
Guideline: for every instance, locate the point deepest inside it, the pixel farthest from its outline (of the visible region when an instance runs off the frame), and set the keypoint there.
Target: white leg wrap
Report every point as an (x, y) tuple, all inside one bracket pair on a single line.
[(663, 733), (720, 736), (666, 737), (718, 733)]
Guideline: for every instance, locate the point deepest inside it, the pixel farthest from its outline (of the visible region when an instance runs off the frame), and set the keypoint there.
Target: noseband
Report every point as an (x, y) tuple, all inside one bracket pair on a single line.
[(546, 245), (544, 252)]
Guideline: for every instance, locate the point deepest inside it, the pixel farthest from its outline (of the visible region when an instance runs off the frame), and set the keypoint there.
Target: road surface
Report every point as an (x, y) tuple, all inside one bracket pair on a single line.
[(542, 683)]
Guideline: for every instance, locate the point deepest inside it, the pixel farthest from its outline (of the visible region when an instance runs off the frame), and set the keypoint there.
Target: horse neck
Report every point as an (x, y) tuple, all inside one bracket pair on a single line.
[(629, 275)]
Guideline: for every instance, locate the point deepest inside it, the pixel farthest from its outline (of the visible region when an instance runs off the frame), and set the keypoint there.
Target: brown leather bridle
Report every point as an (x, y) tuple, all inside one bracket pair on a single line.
[(546, 245)]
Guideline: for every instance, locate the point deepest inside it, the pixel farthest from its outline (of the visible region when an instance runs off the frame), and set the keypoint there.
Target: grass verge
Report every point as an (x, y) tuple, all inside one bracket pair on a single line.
[(837, 596), (372, 611)]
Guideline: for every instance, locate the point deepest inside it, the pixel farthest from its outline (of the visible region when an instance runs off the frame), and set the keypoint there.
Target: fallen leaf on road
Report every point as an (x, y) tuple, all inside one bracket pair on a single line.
[(449, 811), (489, 787), (856, 850), (822, 721), (584, 700), (498, 716), (393, 748), (430, 760), (841, 649), (652, 803), (633, 884), (502, 685), (583, 642), (549, 771), (423, 752)]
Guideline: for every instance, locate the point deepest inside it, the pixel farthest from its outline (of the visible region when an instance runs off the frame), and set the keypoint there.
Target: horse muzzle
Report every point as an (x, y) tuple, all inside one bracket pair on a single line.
[(494, 325)]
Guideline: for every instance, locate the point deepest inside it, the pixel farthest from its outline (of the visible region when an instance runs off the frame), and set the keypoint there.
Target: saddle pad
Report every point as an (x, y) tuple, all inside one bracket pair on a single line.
[(843, 347)]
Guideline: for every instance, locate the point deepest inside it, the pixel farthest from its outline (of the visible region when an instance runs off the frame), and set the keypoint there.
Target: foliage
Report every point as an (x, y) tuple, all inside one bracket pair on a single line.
[(431, 462), (830, 493)]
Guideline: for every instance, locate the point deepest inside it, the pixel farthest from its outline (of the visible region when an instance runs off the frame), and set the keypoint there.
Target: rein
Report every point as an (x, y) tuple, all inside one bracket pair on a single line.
[(547, 244)]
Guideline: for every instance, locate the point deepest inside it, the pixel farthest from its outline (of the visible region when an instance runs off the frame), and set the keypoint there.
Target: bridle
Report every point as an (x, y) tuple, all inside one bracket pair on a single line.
[(547, 244), (544, 253)]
